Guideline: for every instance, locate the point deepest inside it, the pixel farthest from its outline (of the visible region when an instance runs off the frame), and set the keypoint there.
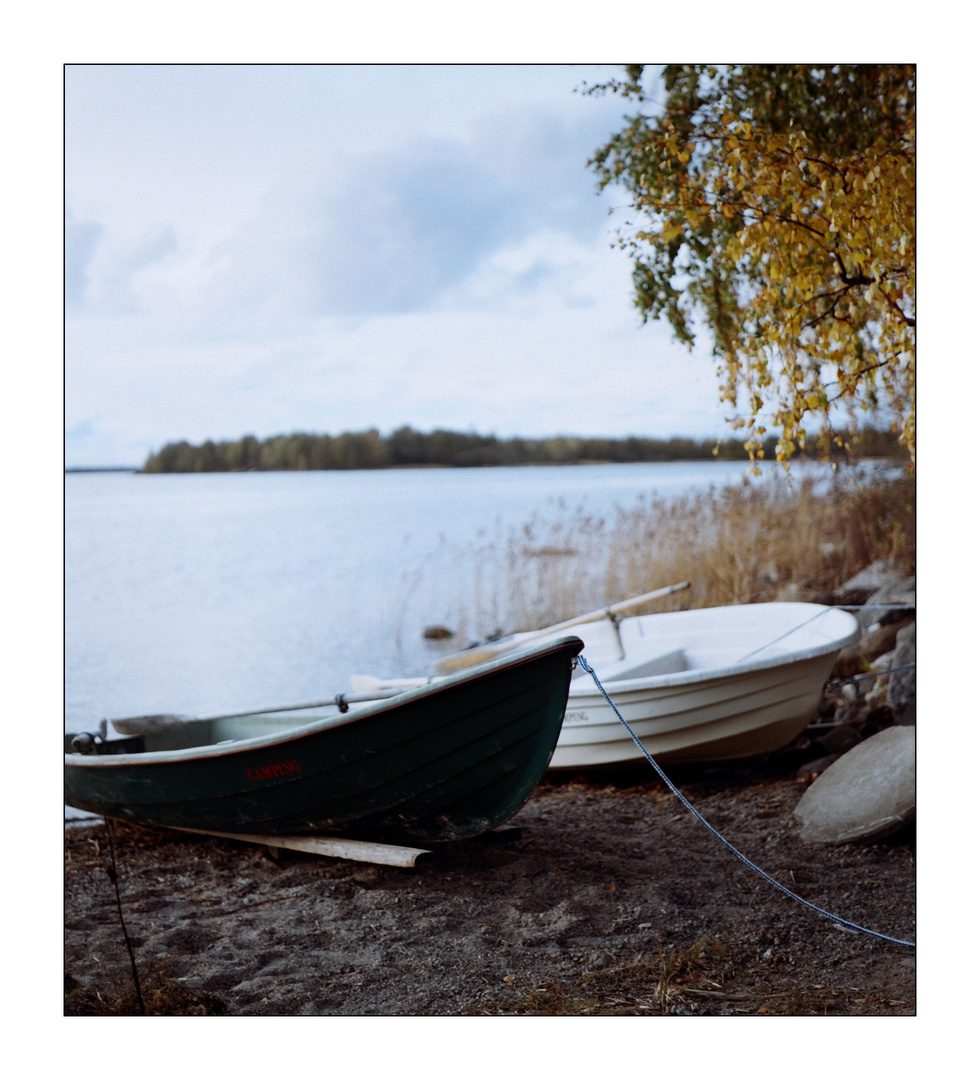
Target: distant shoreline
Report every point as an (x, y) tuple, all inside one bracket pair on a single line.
[(410, 449), (407, 448), (378, 468), (103, 468), (382, 468)]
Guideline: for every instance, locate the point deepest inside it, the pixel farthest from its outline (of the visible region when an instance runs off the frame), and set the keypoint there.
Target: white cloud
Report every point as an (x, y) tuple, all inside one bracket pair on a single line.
[(82, 239), (253, 261)]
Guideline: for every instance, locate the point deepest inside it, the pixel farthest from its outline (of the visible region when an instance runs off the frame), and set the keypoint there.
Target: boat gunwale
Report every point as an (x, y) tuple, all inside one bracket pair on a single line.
[(231, 748)]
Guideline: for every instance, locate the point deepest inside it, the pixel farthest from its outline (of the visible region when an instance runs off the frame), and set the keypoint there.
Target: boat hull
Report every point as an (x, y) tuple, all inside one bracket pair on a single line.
[(434, 764), (715, 721), (731, 690)]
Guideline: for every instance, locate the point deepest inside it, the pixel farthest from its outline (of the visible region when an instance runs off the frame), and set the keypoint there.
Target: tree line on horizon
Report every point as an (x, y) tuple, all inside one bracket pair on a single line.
[(407, 448)]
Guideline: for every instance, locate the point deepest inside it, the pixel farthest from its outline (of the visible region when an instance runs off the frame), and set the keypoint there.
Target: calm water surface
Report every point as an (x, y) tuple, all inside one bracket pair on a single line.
[(213, 592)]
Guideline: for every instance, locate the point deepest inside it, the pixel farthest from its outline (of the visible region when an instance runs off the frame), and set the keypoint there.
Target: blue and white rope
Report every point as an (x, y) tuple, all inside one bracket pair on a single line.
[(868, 675), (585, 666)]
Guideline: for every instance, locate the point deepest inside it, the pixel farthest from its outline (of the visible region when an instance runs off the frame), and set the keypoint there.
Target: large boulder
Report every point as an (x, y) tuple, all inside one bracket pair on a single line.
[(865, 795)]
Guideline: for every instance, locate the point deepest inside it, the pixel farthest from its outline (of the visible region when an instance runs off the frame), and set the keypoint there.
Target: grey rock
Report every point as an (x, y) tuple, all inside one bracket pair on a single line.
[(880, 573), (849, 715), (901, 685), (876, 691), (839, 739), (855, 659), (885, 661), (898, 592), (865, 795)]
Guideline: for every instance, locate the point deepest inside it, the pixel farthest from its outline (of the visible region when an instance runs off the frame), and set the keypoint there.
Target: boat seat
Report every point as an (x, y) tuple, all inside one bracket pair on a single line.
[(665, 663), (166, 732), (132, 744), (150, 725)]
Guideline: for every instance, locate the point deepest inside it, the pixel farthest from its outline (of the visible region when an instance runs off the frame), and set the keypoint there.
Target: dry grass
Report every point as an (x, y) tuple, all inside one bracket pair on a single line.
[(706, 978), (162, 995), (740, 545)]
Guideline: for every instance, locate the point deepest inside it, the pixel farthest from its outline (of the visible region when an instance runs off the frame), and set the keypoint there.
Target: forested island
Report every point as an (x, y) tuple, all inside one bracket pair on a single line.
[(407, 448)]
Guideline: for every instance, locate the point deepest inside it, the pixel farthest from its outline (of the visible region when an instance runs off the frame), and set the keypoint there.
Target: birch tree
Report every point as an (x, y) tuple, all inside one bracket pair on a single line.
[(774, 205)]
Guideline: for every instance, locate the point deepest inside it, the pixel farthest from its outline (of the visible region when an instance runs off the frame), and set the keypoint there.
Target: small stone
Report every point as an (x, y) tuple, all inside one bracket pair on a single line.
[(875, 697), (436, 633), (884, 662), (901, 685), (850, 714), (813, 769), (865, 795)]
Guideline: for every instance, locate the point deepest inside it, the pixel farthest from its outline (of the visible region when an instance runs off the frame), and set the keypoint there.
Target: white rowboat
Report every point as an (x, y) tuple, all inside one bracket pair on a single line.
[(705, 685)]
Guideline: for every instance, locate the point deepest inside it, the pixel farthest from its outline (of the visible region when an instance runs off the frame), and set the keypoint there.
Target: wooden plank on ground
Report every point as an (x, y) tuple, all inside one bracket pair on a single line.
[(333, 847)]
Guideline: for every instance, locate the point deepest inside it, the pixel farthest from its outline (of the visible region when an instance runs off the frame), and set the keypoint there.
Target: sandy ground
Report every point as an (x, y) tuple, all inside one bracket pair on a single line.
[(610, 899)]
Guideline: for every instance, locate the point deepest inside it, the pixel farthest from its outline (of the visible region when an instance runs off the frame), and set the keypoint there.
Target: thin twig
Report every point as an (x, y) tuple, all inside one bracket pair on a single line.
[(727, 996), (114, 878), (259, 903)]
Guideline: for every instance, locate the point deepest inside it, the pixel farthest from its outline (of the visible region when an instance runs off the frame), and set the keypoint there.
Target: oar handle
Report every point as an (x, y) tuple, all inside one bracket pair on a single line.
[(339, 700), (614, 609), (132, 724), (480, 655)]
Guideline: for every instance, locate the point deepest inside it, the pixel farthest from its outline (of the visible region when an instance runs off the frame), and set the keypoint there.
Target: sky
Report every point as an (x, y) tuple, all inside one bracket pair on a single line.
[(262, 249)]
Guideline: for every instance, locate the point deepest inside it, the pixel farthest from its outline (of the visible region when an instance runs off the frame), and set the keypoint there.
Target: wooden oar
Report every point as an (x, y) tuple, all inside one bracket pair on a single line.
[(371, 684), (483, 653), (331, 846)]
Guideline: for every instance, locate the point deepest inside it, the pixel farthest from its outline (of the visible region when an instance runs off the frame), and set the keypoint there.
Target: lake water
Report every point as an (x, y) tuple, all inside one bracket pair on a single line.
[(213, 592)]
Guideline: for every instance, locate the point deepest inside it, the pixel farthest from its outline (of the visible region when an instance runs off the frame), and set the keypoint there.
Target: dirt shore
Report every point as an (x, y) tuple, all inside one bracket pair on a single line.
[(610, 899)]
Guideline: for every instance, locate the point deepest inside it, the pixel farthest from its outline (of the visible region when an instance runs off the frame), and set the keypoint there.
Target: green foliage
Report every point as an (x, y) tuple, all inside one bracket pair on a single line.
[(776, 204)]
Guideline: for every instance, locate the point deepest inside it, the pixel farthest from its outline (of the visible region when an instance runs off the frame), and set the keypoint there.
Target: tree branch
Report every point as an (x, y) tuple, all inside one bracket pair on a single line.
[(909, 320), (861, 279)]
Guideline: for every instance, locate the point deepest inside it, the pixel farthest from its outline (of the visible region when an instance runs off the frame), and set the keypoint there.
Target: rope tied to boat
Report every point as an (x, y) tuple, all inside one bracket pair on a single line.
[(581, 662), (853, 680)]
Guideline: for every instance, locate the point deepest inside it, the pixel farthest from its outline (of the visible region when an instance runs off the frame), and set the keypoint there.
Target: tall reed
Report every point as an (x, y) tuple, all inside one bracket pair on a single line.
[(739, 545)]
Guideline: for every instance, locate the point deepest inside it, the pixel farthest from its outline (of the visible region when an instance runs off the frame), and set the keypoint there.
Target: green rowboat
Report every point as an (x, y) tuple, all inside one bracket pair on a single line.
[(441, 762)]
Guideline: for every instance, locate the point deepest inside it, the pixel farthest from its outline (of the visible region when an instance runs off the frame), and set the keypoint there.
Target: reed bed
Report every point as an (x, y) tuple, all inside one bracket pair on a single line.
[(746, 544)]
